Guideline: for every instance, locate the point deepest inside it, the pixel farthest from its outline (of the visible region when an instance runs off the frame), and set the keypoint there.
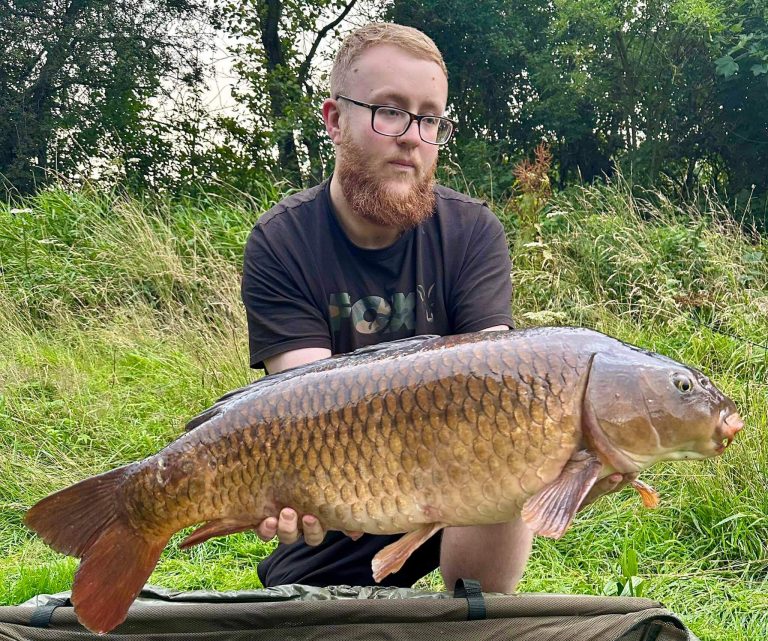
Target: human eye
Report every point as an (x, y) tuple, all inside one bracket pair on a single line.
[(391, 113)]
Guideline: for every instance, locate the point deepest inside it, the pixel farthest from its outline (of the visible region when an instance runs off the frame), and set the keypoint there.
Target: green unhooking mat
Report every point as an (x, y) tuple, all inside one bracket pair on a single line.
[(302, 613)]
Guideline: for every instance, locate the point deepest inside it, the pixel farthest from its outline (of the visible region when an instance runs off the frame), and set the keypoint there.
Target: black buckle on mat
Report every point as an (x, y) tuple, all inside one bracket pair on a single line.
[(470, 590), (41, 617)]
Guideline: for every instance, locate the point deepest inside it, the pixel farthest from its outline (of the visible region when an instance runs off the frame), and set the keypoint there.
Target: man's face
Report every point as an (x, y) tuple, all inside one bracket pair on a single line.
[(389, 180)]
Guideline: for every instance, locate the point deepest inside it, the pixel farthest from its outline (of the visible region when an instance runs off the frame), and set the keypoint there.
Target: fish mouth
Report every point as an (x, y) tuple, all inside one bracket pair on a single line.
[(726, 430)]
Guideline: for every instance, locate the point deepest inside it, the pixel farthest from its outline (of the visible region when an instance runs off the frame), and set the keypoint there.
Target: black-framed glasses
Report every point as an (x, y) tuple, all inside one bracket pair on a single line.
[(393, 121)]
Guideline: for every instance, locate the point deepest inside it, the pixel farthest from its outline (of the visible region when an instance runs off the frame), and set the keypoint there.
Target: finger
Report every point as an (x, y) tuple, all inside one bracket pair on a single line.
[(624, 480), (313, 530), (353, 535), (609, 484), (629, 478), (287, 526), (267, 529)]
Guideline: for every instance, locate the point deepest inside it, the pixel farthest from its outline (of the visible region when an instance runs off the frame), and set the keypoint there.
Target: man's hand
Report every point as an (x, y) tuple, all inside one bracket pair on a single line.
[(608, 485), (287, 530)]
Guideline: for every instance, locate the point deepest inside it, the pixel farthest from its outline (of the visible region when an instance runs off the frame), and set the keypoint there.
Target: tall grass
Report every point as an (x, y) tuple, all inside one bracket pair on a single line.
[(691, 284), (121, 319)]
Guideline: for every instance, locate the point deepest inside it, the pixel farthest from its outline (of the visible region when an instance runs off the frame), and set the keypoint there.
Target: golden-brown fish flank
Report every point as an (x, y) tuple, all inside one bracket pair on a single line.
[(410, 436)]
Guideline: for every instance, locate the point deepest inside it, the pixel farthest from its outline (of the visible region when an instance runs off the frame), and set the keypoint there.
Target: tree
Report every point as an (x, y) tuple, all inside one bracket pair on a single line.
[(606, 83), (487, 51), (76, 83), (642, 73), (278, 44), (742, 70)]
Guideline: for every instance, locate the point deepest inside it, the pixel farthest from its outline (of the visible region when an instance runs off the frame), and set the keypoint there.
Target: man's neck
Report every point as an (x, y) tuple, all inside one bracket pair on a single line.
[(360, 231)]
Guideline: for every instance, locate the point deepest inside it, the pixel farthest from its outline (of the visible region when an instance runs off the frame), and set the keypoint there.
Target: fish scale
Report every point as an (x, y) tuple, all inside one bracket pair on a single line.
[(474, 412)]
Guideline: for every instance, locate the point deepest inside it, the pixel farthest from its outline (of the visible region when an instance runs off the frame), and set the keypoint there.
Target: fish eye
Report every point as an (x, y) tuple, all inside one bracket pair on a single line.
[(682, 382)]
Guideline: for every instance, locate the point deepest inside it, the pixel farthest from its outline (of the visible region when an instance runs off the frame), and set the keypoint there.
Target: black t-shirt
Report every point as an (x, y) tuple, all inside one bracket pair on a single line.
[(305, 284)]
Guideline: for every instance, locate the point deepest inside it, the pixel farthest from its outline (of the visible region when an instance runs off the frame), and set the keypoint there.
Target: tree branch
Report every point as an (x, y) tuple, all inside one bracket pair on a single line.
[(304, 68)]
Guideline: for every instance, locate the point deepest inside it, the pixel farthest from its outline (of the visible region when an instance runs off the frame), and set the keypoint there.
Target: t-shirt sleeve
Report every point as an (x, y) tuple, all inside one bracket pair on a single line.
[(281, 313), (483, 289)]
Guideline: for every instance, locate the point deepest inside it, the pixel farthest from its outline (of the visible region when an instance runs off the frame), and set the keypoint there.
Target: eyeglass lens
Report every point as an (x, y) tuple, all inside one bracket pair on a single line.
[(394, 122)]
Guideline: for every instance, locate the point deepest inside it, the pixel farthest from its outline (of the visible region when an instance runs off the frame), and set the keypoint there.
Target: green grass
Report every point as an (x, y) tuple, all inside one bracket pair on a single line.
[(121, 319)]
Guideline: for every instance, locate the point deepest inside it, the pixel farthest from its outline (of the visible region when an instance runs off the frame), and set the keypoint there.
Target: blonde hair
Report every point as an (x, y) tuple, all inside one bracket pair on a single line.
[(408, 39)]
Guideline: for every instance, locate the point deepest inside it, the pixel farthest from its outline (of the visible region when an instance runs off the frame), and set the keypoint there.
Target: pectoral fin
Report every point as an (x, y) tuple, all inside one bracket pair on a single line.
[(550, 511), (391, 558), (219, 527)]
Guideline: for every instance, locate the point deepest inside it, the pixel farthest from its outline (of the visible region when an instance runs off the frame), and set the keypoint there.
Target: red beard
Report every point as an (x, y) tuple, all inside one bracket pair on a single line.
[(370, 199)]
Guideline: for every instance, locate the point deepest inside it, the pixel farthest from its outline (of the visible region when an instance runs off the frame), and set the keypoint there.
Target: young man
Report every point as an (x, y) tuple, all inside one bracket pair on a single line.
[(378, 253)]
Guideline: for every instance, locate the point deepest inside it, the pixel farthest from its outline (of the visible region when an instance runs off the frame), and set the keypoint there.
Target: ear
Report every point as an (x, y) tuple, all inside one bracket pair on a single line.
[(332, 118)]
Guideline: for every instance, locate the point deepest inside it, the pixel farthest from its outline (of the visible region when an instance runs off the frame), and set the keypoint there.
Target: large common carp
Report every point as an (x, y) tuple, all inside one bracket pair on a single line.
[(410, 436)]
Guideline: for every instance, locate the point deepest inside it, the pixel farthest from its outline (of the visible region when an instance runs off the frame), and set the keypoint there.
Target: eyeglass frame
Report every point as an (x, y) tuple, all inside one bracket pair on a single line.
[(417, 117)]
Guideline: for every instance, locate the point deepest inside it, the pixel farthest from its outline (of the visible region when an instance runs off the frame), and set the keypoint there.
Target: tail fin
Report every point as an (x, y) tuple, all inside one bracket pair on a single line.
[(87, 520)]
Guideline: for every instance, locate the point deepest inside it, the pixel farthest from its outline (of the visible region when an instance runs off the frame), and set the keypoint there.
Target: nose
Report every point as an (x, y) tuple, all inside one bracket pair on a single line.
[(411, 135)]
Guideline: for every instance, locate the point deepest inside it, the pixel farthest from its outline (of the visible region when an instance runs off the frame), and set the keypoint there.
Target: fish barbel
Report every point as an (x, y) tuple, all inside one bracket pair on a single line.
[(410, 436)]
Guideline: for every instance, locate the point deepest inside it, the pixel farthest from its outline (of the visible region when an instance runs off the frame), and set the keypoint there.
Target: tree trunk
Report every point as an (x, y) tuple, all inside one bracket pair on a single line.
[(40, 93), (33, 129), (278, 98), (630, 89), (311, 141)]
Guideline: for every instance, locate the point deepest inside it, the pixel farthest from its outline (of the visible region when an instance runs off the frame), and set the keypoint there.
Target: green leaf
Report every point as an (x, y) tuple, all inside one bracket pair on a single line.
[(726, 66), (758, 70), (628, 562)]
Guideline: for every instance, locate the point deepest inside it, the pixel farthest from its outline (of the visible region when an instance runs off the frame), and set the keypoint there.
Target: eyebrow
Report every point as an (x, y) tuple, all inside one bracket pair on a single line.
[(400, 99)]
